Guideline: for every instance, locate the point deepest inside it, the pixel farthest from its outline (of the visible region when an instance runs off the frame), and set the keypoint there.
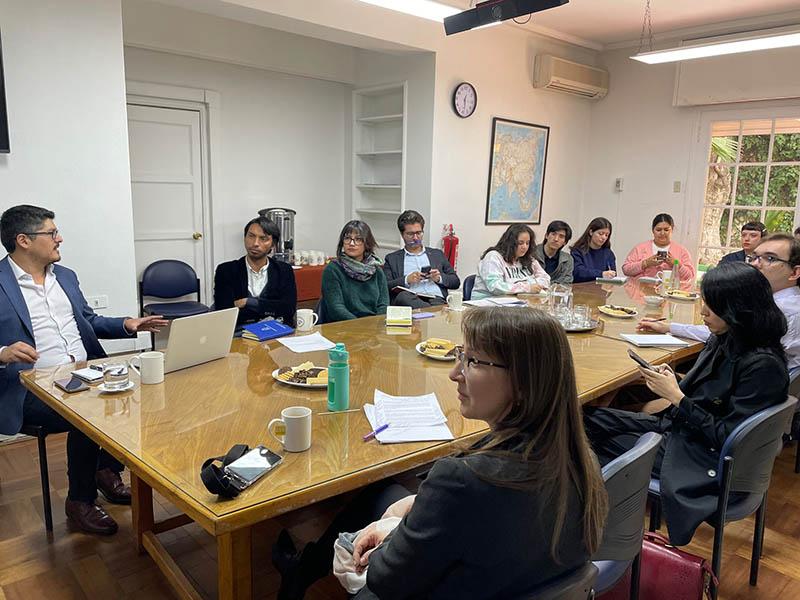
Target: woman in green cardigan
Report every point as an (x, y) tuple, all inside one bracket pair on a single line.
[(353, 284)]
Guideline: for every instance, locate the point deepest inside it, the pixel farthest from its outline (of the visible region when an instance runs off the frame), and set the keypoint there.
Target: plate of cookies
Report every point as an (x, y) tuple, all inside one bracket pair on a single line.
[(621, 312), (305, 375)]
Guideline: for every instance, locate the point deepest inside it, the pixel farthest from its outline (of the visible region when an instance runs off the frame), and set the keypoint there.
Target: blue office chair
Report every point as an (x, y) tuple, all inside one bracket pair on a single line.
[(745, 468), (626, 478), (469, 283), (167, 279), (575, 585)]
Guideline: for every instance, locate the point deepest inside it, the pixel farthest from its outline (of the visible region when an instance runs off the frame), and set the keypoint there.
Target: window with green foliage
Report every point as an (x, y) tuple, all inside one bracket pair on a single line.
[(753, 175)]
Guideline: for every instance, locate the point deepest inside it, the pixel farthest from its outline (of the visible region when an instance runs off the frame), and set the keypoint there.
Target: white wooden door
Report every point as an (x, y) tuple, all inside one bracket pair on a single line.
[(167, 187)]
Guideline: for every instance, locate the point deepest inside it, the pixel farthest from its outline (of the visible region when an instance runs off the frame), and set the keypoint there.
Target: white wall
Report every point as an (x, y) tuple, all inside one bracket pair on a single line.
[(499, 63), (497, 60), (69, 152), (637, 134), (281, 142)]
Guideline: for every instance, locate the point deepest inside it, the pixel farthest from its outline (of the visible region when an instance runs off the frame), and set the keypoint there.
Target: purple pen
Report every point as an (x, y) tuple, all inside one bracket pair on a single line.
[(372, 434)]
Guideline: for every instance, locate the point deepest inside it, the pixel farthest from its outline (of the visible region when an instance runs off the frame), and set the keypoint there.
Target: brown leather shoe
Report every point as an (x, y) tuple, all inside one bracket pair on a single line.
[(89, 517), (110, 485)]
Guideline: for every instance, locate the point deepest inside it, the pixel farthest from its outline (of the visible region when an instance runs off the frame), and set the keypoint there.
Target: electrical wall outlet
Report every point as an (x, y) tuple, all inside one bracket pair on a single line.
[(97, 301), (619, 184), (676, 187)]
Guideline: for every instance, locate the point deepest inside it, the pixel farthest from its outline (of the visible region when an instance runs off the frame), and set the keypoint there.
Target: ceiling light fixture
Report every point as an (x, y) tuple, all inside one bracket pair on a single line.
[(765, 39), (427, 9)]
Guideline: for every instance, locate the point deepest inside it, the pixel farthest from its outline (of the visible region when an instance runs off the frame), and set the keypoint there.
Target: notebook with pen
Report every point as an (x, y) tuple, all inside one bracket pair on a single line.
[(410, 418)]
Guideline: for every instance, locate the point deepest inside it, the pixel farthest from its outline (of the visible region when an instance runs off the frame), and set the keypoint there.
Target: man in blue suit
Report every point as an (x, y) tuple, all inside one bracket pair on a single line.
[(45, 321)]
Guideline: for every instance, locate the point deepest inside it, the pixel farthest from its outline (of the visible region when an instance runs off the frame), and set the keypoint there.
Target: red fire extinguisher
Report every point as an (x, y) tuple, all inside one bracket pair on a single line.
[(450, 245)]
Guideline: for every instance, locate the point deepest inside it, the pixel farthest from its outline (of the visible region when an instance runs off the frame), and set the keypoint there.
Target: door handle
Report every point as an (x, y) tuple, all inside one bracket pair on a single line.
[(197, 235)]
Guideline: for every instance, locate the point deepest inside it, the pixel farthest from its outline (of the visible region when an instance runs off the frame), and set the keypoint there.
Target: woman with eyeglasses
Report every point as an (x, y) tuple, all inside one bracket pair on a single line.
[(741, 371), (509, 267), (521, 506), (353, 284)]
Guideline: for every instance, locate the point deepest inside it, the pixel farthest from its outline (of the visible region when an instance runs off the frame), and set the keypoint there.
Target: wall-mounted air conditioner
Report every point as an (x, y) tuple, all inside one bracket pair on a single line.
[(561, 75)]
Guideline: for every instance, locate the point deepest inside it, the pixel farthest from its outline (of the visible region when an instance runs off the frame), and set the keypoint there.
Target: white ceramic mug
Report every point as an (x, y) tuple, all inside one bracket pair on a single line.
[(296, 422), (150, 367), (306, 319), (455, 299), (665, 276)]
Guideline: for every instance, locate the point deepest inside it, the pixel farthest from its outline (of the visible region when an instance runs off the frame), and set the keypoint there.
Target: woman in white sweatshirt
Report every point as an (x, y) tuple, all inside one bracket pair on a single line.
[(509, 268)]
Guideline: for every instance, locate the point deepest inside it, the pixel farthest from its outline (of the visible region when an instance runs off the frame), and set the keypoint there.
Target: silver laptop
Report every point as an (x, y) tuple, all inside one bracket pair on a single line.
[(200, 338)]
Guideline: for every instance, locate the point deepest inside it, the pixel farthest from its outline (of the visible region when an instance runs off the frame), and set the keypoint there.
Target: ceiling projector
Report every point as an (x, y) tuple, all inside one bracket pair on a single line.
[(492, 11)]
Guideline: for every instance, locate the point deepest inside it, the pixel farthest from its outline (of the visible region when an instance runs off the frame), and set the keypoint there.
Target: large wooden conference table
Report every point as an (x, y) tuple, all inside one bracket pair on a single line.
[(164, 432)]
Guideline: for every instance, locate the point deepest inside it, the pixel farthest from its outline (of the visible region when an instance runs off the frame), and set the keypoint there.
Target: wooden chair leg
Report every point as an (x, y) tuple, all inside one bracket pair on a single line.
[(41, 439)]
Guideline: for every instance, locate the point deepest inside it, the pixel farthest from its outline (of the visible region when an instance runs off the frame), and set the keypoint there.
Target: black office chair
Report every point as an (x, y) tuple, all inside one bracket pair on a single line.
[(575, 585), (40, 433), (469, 283), (745, 467), (627, 478), (167, 279)]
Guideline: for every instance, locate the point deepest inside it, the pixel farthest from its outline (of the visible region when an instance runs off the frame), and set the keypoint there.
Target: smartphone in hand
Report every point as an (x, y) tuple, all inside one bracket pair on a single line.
[(642, 362), (426, 272)]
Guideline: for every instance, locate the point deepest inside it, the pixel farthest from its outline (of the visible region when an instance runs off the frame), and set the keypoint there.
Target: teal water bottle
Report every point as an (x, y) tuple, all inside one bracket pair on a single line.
[(338, 378)]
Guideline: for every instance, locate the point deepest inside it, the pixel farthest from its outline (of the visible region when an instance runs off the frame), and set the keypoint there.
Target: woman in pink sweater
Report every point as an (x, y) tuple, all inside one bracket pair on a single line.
[(652, 256)]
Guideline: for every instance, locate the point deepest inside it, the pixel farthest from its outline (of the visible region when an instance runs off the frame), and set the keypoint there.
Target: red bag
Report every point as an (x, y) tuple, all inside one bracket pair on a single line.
[(667, 573)]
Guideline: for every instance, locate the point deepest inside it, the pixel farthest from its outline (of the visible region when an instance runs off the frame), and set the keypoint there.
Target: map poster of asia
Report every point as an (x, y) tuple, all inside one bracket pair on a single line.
[(516, 172)]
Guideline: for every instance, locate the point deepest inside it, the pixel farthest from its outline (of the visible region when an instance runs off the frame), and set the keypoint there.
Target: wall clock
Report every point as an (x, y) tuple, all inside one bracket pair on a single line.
[(465, 99)]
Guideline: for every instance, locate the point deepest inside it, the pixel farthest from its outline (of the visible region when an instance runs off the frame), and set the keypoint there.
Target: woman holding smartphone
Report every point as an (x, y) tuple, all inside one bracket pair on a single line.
[(741, 371), (660, 253), (523, 505)]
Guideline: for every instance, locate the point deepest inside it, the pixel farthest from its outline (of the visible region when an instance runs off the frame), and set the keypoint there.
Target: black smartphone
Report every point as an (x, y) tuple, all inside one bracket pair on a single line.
[(71, 384), (249, 468), (662, 254), (426, 271), (640, 360)]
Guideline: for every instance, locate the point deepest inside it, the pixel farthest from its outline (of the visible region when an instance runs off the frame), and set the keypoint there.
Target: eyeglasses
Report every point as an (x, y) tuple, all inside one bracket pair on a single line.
[(470, 361), (413, 234), (353, 241), (770, 259), (53, 233)]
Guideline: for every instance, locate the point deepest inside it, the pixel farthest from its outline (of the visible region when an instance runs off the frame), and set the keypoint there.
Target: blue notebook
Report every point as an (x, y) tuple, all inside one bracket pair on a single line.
[(265, 330)]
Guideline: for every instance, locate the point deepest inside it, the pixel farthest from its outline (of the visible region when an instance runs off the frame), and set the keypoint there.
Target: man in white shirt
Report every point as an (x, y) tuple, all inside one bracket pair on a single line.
[(45, 321), (778, 258)]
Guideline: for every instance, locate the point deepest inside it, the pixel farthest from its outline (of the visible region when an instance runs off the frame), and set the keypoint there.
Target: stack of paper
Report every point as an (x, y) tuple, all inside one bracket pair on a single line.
[(649, 340), (307, 343), (398, 316), (498, 301), (410, 418)]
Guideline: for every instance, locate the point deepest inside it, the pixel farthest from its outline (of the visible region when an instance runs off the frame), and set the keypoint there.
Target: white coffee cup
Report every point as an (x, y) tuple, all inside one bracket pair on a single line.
[(455, 299), (306, 319), (296, 421), (665, 276), (150, 366)]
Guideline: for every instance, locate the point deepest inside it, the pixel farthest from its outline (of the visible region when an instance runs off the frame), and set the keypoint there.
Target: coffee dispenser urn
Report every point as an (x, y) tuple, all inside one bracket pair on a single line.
[(284, 219)]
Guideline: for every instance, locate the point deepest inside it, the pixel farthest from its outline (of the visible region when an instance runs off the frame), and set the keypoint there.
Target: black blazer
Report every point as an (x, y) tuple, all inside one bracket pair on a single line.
[(278, 299), (393, 268), (726, 385), (467, 538)]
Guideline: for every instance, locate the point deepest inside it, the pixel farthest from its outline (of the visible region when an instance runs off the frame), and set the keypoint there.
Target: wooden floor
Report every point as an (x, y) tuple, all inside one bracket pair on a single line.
[(75, 565)]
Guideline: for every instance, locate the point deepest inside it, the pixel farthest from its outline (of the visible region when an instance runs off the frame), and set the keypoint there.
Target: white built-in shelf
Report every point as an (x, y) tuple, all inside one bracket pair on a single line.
[(379, 153), (380, 119), (377, 211), (379, 186)]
